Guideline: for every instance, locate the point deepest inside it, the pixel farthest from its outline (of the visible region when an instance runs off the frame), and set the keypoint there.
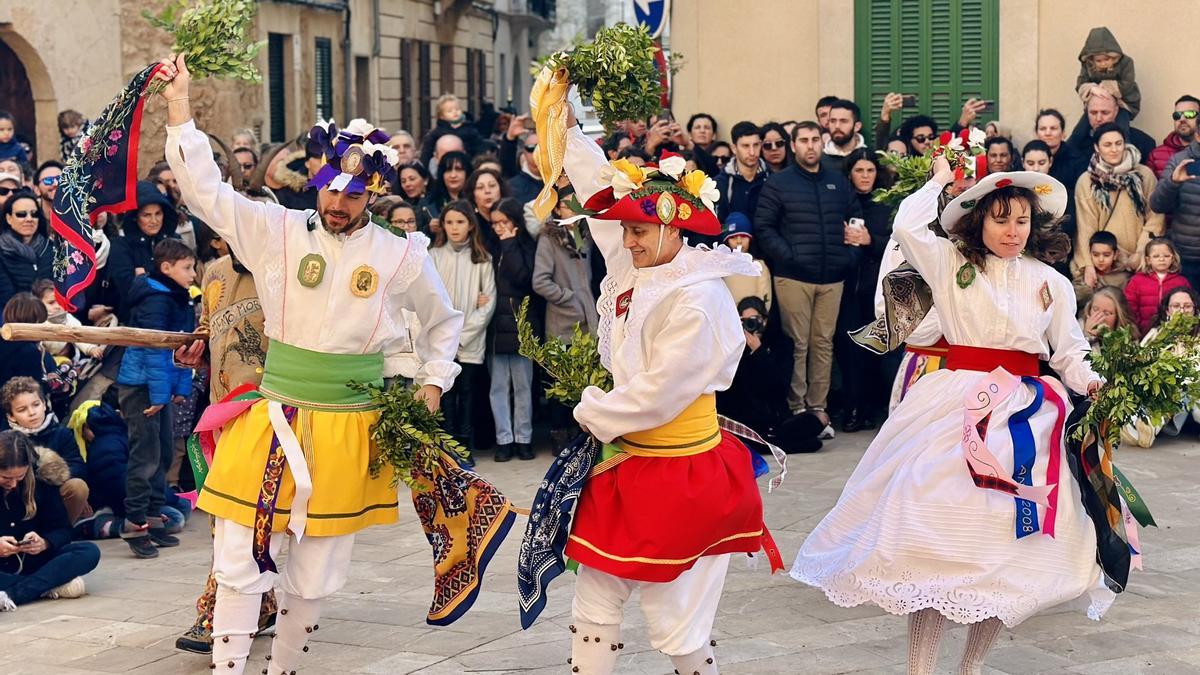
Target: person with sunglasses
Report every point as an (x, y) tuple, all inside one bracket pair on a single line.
[(776, 150), (9, 184), (45, 185), (918, 133), (518, 160), (25, 251), (1177, 195), (1187, 118)]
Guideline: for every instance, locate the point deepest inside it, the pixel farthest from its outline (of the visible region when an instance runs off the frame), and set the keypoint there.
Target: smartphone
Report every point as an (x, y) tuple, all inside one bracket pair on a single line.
[(908, 101), (988, 106), (666, 114), (857, 223), (1193, 169)]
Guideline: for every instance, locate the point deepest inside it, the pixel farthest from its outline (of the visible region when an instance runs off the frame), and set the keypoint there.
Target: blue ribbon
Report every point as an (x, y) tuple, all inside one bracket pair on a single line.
[(1024, 455)]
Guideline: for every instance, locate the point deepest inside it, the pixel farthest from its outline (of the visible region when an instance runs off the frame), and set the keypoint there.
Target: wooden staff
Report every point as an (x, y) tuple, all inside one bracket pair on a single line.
[(118, 335)]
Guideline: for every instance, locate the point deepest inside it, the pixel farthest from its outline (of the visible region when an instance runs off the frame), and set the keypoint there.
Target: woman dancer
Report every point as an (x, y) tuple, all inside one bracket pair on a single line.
[(994, 539)]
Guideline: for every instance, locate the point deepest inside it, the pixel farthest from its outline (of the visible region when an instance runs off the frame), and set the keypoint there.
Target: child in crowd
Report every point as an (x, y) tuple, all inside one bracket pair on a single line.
[(55, 314), (56, 453), (1106, 310), (1156, 278), (70, 132), (1103, 65), (103, 441), (147, 384), (463, 263), (737, 235), (1110, 267), (1142, 432), (10, 147)]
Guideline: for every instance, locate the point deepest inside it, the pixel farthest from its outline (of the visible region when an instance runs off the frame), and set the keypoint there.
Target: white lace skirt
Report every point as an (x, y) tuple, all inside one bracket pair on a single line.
[(912, 531)]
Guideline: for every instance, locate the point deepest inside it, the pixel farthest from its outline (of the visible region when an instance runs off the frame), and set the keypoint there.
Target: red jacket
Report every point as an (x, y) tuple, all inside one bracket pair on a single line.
[(1162, 154), (1144, 292)]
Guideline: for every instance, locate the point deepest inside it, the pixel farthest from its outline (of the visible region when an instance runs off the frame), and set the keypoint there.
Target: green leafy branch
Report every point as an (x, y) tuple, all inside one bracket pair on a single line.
[(213, 34), (409, 437), (1154, 380), (573, 366), (616, 71), (911, 173)]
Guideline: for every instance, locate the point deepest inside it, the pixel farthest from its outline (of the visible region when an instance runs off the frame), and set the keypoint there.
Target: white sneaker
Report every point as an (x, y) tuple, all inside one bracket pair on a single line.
[(827, 433), (72, 589), (6, 603)]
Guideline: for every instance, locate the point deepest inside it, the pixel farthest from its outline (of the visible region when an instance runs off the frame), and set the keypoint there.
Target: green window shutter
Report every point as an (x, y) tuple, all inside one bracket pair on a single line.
[(942, 51)]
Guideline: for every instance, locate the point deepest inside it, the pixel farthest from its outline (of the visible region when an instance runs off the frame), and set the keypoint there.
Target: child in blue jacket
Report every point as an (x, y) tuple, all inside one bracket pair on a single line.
[(147, 383)]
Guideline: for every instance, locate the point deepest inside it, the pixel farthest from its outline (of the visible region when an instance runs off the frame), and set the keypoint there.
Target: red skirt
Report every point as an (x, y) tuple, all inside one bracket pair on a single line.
[(652, 518)]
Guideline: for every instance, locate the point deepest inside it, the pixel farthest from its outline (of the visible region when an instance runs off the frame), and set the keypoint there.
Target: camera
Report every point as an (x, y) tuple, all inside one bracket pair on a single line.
[(753, 324)]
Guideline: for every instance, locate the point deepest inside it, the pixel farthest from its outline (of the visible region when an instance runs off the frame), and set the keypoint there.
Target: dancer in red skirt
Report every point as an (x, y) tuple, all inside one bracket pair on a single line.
[(674, 495)]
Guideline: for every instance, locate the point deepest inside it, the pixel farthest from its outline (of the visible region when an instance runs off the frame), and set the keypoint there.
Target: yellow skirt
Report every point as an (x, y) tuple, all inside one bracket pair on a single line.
[(338, 447)]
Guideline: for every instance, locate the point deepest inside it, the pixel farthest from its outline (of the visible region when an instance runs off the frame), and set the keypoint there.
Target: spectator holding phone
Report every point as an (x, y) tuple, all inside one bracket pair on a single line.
[(1178, 195), (37, 557)]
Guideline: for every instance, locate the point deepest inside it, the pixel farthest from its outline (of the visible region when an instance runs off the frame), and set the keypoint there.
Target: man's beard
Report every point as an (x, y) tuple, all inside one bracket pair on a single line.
[(351, 225), (839, 138)]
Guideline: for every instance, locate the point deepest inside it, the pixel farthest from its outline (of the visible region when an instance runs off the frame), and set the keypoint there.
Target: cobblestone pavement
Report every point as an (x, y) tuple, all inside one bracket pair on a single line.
[(766, 624)]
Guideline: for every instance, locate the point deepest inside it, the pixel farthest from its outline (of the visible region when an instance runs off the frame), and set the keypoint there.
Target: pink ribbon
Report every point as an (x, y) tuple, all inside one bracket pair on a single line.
[(986, 470)]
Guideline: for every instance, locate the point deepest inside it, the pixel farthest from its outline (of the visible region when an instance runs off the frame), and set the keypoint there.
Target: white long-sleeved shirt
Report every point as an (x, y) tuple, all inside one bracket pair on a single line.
[(465, 281), (681, 336), (1019, 303), (271, 241)]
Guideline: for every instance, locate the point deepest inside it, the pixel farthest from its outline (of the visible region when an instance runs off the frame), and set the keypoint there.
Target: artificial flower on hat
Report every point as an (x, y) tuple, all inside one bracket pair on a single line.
[(1051, 194), (357, 158), (657, 194)]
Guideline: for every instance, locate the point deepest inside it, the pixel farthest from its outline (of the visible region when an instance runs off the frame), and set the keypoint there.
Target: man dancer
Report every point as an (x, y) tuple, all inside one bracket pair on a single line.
[(685, 490), (332, 287)]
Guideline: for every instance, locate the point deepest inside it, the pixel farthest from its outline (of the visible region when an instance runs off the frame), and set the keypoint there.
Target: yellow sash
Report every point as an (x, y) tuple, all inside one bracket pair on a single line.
[(693, 431)]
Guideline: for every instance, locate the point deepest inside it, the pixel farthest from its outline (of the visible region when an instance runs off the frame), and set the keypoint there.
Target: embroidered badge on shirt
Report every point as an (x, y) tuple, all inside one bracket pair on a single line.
[(966, 275), (311, 270), (624, 300), (364, 281), (1045, 296)]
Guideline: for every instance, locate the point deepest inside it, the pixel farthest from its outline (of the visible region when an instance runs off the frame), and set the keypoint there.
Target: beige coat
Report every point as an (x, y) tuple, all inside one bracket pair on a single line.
[(1131, 230)]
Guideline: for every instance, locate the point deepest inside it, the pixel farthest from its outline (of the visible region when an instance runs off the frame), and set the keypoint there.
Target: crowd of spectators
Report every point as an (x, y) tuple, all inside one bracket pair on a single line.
[(796, 195)]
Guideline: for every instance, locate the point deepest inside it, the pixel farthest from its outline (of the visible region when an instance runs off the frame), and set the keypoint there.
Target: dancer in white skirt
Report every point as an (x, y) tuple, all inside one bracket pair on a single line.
[(963, 507)]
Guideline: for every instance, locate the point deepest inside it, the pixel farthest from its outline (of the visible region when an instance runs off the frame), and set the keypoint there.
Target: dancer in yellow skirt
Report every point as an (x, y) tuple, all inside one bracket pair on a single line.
[(292, 460)]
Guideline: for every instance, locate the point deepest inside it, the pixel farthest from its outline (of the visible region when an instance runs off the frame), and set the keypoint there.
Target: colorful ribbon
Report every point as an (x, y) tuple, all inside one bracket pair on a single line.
[(1024, 456), (986, 470), (268, 496)]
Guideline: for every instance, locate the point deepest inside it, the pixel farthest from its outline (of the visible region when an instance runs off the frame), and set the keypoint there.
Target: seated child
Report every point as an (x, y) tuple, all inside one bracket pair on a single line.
[(1109, 264), (736, 236), (1107, 310), (44, 290), (1157, 277), (1103, 65), (57, 459)]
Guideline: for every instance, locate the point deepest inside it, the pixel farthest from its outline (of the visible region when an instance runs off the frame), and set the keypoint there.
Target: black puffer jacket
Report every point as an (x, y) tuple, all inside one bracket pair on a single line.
[(135, 249), (800, 224), (1182, 202), (514, 282), (22, 264)]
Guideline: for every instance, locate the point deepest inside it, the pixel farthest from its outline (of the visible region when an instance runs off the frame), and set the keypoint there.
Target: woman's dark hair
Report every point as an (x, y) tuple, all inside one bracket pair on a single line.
[(1062, 121), (24, 308), (1047, 242), (1037, 145), (882, 178), (421, 171), (753, 302), (1165, 304), (468, 192), (392, 206), (205, 236), (16, 451), (787, 145), (454, 159), (515, 212), (698, 116), (11, 205), (634, 151), (1105, 128), (479, 252)]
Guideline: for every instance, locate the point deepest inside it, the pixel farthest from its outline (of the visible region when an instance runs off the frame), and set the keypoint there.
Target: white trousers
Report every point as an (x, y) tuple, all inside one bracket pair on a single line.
[(315, 567), (679, 614)]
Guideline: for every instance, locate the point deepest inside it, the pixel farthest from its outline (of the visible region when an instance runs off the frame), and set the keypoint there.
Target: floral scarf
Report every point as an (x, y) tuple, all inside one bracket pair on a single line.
[(1107, 179)]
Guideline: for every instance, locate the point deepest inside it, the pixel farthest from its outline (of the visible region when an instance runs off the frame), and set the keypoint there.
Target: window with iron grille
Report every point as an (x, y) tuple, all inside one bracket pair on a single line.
[(277, 85), (323, 78), (942, 51), (406, 92), (424, 86)]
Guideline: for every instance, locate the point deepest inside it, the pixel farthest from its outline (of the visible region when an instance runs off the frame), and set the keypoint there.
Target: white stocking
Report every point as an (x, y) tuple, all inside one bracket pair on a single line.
[(980, 638), (594, 648), (235, 620), (296, 621), (700, 662), (924, 635)]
